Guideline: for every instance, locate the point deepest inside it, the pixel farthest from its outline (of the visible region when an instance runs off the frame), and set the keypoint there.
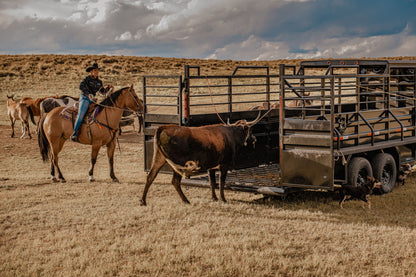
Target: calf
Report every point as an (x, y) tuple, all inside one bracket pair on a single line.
[(194, 150), (359, 192), (19, 111)]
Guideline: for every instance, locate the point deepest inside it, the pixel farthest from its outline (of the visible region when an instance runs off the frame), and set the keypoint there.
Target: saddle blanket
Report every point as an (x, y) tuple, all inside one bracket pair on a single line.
[(70, 113)]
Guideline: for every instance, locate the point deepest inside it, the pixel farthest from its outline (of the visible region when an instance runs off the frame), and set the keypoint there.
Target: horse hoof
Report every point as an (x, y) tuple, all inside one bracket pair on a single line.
[(115, 180), (63, 181), (54, 180), (92, 179), (142, 203)]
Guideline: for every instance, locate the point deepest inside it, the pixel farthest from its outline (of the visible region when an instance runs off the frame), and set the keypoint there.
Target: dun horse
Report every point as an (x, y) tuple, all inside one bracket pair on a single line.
[(19, 111), (54, 130)]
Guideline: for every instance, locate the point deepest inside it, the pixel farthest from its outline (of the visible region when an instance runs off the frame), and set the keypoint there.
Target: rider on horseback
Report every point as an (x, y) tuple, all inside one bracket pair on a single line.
[(89, 87)]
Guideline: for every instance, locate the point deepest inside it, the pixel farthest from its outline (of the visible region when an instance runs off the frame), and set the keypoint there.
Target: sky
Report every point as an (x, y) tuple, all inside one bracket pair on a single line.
[(210, 29)]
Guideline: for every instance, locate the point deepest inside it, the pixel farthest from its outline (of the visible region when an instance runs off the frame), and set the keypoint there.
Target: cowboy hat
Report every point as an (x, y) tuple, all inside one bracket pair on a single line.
[(94, 66)]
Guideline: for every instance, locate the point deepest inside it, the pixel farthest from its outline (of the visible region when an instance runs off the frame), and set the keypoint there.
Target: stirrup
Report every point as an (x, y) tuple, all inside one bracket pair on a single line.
[(74, 138)]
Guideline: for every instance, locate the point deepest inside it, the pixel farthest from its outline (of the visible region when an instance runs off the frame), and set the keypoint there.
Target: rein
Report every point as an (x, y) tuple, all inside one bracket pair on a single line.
[(212, 102), (115, 107)]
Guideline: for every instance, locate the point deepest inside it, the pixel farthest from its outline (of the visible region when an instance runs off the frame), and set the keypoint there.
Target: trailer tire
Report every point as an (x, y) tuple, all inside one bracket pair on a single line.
[(358, 170), (385, 171)]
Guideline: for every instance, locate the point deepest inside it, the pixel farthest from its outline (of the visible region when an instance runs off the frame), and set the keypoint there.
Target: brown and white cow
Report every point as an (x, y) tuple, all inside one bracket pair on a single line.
[(194, 150)]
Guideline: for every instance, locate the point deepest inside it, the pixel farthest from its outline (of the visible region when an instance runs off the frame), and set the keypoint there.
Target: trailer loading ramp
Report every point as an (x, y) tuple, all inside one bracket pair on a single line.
[(262, 179)]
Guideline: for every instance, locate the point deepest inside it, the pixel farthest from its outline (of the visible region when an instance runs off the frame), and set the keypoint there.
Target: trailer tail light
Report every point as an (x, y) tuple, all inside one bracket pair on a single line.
[(341, 138), (186, 105)]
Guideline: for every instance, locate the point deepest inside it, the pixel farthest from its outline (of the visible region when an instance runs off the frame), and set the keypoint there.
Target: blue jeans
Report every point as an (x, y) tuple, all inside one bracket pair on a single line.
[(84, 103)]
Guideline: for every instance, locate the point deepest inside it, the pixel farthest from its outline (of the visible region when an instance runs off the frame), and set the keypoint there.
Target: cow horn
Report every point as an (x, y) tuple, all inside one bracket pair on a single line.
[(255, 121)]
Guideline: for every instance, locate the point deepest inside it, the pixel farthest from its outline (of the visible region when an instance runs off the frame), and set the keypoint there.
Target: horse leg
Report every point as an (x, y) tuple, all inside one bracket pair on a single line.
[(94, 153), (213, 183), (25, 128), (157, 163), (53, 178), (56, 148), (110, 154), (222, 182), (28, 129), (12, 121), (176, 182)]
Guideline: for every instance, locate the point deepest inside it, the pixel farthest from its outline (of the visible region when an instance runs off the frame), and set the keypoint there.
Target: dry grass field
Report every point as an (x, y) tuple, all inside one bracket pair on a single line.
[(98, 229)]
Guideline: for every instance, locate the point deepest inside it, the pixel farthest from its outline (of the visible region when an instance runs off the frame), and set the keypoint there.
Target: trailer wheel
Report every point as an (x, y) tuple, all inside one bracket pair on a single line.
[(385, 171), (358, 170)]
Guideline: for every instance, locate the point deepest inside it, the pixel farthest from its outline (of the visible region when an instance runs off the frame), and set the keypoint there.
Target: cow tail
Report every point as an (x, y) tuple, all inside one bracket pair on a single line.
[(29, 109), (43, 142)]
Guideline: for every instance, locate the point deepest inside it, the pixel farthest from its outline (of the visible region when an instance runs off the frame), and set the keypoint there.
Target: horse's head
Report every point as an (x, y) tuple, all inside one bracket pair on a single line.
[(131, 100)]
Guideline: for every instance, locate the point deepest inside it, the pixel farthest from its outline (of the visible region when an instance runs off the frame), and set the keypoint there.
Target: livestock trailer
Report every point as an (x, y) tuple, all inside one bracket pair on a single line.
[(325, 122)]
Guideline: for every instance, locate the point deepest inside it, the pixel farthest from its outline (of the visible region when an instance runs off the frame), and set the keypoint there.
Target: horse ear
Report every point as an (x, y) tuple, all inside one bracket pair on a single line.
[(131, 87)]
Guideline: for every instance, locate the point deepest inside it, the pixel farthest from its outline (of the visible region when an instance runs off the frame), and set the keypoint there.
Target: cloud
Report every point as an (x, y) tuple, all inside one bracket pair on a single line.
[(255, 48), (124, 36), (233, 29)]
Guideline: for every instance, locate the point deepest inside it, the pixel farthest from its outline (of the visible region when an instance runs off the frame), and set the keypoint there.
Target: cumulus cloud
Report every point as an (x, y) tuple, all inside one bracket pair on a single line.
[(233, 29), (124, 36)]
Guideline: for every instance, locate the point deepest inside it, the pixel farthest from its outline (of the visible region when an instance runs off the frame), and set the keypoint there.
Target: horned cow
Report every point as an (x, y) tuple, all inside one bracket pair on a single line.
[(194, 150)]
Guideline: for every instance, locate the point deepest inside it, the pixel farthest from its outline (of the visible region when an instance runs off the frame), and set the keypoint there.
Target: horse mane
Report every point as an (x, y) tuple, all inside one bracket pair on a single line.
[(112, 98)]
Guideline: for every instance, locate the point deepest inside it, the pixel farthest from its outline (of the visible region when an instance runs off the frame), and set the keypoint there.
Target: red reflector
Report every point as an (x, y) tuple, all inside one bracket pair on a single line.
[(398, 130), (329, 62), (356, 62), (342, 62)]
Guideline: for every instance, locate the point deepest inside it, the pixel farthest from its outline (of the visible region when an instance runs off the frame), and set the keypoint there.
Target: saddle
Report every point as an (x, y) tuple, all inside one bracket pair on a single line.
[(71, 112)]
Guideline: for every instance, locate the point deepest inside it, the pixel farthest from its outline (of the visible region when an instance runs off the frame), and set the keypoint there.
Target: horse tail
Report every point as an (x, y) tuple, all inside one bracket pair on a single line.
[(43, 142), (29, 109)]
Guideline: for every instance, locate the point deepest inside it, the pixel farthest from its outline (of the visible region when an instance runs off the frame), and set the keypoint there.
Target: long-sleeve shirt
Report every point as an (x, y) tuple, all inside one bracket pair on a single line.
[(91, 85)]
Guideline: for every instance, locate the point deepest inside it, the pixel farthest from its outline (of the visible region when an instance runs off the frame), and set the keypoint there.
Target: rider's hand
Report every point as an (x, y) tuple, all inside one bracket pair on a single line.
[(92, 98), (111, 87)]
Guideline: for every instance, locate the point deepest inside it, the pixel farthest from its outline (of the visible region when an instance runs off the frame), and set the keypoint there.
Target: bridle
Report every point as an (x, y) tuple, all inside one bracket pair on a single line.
[(135, 98)]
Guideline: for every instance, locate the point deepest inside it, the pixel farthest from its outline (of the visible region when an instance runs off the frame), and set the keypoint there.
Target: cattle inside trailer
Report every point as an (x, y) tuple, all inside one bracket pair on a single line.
[(326, 123)]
